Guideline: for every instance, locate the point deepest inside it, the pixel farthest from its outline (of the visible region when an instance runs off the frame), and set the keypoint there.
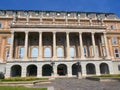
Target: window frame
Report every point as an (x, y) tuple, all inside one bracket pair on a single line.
[(114, 40), (7, 54), (85, 51), (45, 52), (115, 54), (74, 52), (20, 54), (9, 40), (111, 27), (62, 52), (36, 54)]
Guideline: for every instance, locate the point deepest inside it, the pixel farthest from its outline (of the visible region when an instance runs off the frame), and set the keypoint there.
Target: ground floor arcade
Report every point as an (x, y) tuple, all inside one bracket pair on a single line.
[(57, 68)]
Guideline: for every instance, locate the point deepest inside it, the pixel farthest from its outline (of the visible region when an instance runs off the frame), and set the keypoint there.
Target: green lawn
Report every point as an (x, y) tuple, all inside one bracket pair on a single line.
[(108, 76), (13, 79), (19, 88)]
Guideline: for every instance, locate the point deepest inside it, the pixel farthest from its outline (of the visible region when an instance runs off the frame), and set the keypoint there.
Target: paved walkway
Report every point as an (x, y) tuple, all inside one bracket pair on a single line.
[(80, 84)]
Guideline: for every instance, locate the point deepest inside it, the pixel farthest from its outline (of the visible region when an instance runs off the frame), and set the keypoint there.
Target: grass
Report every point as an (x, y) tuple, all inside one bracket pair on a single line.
[(19, 88), (21, 79), (108, 76)]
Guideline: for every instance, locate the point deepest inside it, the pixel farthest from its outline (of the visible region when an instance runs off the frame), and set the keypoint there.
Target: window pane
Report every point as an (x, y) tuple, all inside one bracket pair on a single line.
[(7, 54), (111, 27), (59, 52), (103, 40), (97, 51), (104, 52), (85, 51), (114, 40), (92, 51), (21, 52), (47, 52), (34, 52), (72, 52), (9, 41)]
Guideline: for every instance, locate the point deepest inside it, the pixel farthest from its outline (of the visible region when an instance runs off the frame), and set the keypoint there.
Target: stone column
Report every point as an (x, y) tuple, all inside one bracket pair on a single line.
[(11, 45), (24, 72), (106, 46), (83, 69), (40, 46), (68, 45), (97, 69), (94, 46), (55, 70), (54, 45), (81, 46), (69, 70), (39, 71), (26, 46)]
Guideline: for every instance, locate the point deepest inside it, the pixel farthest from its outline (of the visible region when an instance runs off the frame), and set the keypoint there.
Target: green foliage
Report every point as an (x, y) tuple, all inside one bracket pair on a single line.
[(19, 88), (1, 75), (23, 79)]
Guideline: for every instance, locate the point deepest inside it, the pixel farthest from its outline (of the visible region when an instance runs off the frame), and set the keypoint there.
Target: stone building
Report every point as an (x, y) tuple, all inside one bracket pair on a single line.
[(58, 43)]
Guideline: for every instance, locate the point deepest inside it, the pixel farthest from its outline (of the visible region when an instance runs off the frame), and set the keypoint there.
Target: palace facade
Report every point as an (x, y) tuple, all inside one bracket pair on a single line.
[(58, 43)]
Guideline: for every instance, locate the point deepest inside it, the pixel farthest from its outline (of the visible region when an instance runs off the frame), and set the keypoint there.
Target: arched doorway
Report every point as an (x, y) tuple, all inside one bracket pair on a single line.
[(16, 71), (62, 69), (90, 68), (104, 68), (32, 70), (47, 70), (76, 69)]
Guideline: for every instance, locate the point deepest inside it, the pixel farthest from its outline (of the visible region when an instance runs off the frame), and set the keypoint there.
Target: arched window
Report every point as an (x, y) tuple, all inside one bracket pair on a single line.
[(47, 52), (72, 52), (60, 52), (34, 52), (21, 52)]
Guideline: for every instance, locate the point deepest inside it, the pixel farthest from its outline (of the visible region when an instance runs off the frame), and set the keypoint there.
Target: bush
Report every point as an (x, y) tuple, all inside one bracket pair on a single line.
[(2, 75)]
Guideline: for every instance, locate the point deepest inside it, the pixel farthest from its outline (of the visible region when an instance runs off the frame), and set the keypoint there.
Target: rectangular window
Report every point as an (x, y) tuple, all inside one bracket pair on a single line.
[(104, 52), (72, 52), (85, 51), (21, 52), (116, 53), (103, 40), (9, 40), (7, 54), (114, 40), (111, 27)]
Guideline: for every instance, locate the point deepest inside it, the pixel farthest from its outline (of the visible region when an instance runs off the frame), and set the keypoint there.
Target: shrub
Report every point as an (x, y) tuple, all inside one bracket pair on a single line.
[(2, 75)]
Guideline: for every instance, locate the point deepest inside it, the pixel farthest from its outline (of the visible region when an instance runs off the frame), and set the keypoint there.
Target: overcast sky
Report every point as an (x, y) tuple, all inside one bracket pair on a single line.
[(63, 5)]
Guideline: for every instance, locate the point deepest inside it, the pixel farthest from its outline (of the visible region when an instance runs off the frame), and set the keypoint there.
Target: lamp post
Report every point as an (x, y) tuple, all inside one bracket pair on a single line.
[(79, 76), (52, 64)]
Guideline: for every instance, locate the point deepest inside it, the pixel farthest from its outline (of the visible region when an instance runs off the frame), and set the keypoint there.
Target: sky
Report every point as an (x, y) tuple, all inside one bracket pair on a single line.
[(112, 6)]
